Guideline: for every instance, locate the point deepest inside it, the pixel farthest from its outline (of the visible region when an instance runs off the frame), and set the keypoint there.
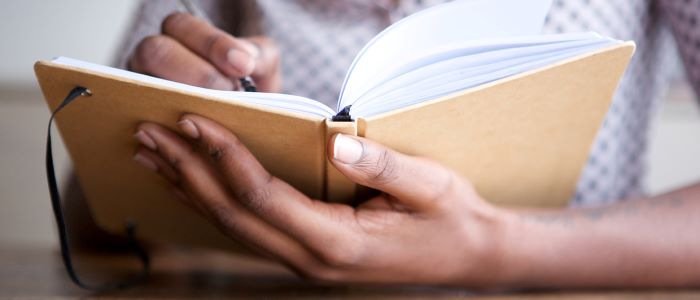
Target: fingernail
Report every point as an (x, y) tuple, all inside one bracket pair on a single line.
[(146, 140), (188, 128), (146, 162), (241, 61), (252, 48), (346, 150)]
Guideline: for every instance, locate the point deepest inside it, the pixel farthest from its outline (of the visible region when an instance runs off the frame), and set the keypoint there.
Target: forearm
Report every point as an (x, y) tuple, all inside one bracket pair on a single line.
[(652, 242)]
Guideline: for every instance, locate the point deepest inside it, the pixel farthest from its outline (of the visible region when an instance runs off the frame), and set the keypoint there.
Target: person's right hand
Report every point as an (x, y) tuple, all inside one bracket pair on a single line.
[(194, 52)]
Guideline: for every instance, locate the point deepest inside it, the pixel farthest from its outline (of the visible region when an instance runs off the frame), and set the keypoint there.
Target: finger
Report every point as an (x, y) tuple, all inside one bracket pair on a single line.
[(181, 195), (266, 73), (154, 162), (200, 181), (325, 228), (234, 57), (164, 57), (417, 183)]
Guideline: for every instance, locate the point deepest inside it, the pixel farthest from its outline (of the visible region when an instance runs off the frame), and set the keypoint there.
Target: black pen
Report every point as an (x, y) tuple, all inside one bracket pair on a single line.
[(189, 5)]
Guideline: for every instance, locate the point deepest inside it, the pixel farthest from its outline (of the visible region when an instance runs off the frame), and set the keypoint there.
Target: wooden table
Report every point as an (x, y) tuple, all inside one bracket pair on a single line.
[(197, 274)]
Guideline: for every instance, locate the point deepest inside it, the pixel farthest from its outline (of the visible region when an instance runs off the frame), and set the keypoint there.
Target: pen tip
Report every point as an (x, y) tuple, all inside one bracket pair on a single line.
[(248, 85)]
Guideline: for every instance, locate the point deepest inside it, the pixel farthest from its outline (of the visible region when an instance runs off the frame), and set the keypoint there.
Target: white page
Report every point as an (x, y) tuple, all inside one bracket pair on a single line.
[(428, 91), (440, 64), (441, 53), (279, 101), (441, 25)]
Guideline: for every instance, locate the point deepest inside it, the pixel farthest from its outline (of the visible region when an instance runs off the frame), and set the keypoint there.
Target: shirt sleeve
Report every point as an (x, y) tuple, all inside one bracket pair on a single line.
[(684, 18), (145, 22)]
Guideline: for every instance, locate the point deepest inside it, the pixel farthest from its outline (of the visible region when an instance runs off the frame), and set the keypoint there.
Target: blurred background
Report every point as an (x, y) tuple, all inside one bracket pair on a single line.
[(32, 30), (40, 30)]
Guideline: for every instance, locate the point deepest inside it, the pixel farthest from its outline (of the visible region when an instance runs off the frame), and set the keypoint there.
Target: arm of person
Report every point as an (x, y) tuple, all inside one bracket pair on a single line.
[(429, 226), (649, 242)]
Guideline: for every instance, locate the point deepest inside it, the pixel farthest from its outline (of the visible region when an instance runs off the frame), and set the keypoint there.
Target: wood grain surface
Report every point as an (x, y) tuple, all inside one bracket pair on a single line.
[(186, 273)]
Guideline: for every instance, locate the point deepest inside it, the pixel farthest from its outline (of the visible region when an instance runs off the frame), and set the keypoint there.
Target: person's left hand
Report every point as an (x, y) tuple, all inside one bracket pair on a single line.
[(428, 226)]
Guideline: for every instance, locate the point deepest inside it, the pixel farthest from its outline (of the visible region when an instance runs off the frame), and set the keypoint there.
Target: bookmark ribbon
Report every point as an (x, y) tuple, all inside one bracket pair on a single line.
[(61, 222)]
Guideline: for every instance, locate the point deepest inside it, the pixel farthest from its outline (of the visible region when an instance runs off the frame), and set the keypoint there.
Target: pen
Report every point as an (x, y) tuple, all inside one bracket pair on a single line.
[(189, 5)]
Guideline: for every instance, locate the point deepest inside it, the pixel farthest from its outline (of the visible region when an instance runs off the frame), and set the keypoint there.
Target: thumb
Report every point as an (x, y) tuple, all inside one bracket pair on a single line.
[(415, 182), (267, 63)]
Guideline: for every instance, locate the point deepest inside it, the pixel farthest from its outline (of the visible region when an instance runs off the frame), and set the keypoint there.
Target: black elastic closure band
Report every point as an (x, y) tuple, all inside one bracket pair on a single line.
[(61, 222), (343, 115)]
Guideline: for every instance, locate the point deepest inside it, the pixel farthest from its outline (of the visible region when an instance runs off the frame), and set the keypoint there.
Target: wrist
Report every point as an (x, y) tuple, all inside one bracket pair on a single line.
[(511, 252), (515, 257), (533, 248), (488, 262)]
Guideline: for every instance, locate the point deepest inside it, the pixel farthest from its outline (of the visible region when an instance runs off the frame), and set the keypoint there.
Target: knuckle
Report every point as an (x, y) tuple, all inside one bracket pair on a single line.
[(387, 167), (212, 41), (443, 193), (465, 187), (340, 254), (152, 52), (172, 22), (443, 183), (224, 219), (255, 198), (221, 147), (179, 159), (382, 170), (177, 163), (217, 153), (182, 167), (221, 151)]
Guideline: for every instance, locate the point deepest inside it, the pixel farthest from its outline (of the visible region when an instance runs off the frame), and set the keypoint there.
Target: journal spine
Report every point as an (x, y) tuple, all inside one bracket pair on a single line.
[(336, 187)]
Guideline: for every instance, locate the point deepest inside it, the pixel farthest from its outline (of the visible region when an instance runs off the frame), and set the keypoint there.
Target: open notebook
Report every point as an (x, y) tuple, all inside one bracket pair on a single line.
[(425, 56), (469, 83), (440, 72)]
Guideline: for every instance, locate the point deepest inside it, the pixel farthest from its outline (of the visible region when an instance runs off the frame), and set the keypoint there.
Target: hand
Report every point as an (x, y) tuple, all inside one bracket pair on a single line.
[(194, 52), (428, 226)]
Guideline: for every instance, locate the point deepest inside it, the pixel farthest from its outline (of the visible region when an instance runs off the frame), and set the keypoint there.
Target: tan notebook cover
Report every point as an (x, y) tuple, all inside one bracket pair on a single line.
[(522, 140)]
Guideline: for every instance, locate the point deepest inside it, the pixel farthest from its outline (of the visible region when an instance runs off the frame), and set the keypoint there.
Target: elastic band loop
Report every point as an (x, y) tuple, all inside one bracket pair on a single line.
[(61, 222)]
